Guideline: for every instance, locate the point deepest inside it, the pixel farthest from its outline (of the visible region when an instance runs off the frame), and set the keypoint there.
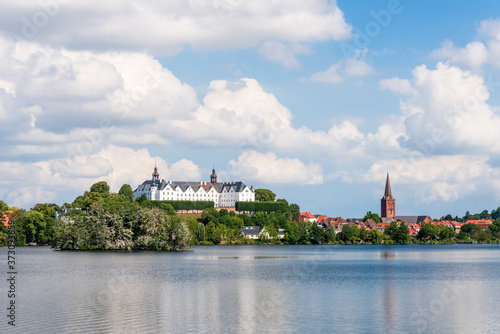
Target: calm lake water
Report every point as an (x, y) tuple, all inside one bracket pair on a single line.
[(250, 289)]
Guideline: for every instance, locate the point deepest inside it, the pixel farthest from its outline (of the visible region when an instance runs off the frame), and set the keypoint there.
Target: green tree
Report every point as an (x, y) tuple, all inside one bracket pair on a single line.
[(100, 187), (446, 232), (375, 236), (349, 234), (428, 231), (294, 212), (467, 231), (126, 190), (484, 214), (261, 219), (373, 216), (317, 234), (264, 195), (399, 233), (142, 199), (3, 206), (200, 232)]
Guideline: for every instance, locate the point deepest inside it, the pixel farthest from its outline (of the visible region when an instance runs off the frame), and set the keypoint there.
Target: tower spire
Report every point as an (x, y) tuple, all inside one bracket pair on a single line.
[(388, 202), (156, 175), (213, 177), (388, 192)]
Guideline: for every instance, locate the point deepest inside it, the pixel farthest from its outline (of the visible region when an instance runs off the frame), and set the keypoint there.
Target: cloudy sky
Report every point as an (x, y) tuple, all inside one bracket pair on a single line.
[(312, 99)]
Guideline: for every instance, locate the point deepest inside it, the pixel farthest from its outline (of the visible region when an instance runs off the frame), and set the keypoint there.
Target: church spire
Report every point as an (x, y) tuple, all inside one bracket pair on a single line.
[(388, 192), (388, 202)]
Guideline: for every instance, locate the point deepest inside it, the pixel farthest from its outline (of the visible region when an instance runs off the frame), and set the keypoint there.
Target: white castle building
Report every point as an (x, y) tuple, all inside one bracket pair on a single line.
[(224, 194)]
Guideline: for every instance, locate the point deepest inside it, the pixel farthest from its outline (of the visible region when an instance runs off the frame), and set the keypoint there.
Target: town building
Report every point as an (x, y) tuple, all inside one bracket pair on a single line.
[(223, 194), (388, 209), (388, 203)]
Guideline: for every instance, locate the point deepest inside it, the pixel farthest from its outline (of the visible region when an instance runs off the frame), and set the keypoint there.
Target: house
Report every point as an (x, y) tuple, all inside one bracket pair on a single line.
[(255, 232), (319, 218), (223, 194), (483, 223), (307, 217), (251, 232), (370, 224), (457, 226)]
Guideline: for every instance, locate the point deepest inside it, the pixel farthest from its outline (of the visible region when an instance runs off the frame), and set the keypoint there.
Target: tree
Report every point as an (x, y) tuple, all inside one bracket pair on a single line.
[(294, 212), (3, 206), (428, 231), (142, 199), (467, 230), (317, 235), (446, 232), (349, 234), (264, 195), (373, 216), (484, 214), (100, 187), (399, 233), (447, 217), (200, 232), (126, 190), (375, 236)]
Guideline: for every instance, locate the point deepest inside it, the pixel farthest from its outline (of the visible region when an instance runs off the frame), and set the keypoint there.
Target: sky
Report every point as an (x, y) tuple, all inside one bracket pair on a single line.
[(316, 100)]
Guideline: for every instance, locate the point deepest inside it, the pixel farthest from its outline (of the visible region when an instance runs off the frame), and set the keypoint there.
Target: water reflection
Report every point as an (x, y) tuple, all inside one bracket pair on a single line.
[(261, 289)]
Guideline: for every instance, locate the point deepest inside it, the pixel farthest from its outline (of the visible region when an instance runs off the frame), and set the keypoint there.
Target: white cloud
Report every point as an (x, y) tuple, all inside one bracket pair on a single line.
[(165, 27), (25, 184), (440, 177), (284, 54), (356, 66), (473, 56), (397, 85), (476, 54), (269, 169)]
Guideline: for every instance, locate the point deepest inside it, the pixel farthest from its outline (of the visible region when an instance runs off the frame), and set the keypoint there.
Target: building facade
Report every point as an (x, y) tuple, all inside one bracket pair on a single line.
[(223, 194)]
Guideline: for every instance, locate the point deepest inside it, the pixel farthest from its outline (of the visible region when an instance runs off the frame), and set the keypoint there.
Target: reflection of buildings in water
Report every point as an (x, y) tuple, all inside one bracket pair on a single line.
[(388, 255), (260, 303), (389, 300)]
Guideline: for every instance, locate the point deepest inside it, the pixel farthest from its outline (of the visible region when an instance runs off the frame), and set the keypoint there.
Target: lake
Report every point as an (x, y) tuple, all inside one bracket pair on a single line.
[(265, 289)]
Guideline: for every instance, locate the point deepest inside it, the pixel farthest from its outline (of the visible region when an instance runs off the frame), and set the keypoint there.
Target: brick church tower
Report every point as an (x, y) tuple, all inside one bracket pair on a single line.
[(388, 203)]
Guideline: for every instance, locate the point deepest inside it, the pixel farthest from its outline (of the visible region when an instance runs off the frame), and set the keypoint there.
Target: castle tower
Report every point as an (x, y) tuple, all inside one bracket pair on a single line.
[(388, 203), (213, 177), (156, 176)]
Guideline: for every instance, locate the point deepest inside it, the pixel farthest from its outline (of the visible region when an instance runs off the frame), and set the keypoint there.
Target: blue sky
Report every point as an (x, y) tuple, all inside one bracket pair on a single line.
[(313, 99)]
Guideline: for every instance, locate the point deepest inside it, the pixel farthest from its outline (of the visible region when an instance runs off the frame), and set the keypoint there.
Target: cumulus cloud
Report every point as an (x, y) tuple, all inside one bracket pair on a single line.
[(397, 85), (24, 184), (441, 177), (476, 54), (284, 54), (269, 169), (353, 67), (165, 27)]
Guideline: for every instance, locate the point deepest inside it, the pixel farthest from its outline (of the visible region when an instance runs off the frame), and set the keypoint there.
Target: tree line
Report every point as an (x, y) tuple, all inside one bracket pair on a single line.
[(99, 219)]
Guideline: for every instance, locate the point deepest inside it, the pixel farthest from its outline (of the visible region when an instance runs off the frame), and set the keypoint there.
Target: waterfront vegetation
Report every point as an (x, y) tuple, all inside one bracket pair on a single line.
[(101, 220)]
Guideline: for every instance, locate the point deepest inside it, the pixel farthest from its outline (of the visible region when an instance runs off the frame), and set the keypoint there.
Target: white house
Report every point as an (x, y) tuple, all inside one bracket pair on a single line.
[(224, 194)]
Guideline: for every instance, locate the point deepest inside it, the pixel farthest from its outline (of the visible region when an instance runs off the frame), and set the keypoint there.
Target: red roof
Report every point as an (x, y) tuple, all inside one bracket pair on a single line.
[(321, 217), (307, 214), (480, 222), (6, 217)]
